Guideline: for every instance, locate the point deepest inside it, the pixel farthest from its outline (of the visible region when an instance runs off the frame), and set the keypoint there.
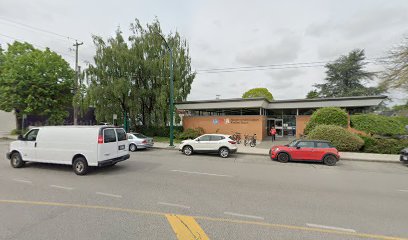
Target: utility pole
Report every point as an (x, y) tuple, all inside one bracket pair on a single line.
[(171, 91), (76, 45)]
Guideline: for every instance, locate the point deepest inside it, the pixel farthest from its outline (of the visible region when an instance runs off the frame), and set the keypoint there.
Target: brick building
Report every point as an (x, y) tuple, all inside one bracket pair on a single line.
[(258, 115)]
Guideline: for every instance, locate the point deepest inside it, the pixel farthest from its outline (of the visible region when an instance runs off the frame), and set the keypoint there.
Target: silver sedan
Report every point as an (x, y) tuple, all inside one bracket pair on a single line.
[(139, 141)]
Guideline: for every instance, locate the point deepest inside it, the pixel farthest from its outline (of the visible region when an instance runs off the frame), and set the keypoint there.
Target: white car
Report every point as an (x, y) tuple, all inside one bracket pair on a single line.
[(79, 146), (139, 141), (224, 145)]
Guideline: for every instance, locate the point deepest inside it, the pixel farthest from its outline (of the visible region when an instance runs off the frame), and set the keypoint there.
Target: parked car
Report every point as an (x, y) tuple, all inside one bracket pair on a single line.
[(306, 150), (139, 141), (404, 155), (79, 146), (224, 145)]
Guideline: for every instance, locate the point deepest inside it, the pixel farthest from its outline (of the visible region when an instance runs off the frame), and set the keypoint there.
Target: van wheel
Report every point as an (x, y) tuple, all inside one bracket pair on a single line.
[(224, 152), (132, 147), (187, 150), (330, 160), (283, 157), (80, 166), (16, 160)]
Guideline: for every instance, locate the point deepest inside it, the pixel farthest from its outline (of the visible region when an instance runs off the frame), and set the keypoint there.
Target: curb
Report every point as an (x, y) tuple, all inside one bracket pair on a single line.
[(264, 154)]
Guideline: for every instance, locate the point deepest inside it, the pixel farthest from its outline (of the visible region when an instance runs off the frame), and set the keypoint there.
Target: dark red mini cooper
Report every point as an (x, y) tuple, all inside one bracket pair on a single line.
[(306, 150)]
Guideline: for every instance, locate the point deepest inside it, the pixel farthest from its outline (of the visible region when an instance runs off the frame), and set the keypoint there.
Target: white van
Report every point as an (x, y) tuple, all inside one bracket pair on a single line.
[(79, 146)]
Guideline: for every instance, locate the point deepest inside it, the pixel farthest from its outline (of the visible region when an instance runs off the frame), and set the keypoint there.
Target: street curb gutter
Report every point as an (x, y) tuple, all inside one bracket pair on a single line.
[(263, 154)]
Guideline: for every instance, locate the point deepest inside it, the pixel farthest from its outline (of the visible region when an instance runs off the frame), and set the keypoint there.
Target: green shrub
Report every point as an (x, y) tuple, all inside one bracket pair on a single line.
[(157, 131), (18, 131), (383, 145), (327, 116), (403, 120), (190, 133), (342, 139), (377, 124)]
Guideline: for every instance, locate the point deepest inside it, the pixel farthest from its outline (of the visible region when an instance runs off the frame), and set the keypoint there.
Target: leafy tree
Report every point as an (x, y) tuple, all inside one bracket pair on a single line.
[(347, 77), (396, 75), (35, 82), (258, 92), (133, 76), (312, 94), (327, 116)]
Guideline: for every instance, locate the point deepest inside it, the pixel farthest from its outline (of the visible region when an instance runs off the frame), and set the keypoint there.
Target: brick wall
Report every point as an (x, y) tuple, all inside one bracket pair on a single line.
[(229, 124)]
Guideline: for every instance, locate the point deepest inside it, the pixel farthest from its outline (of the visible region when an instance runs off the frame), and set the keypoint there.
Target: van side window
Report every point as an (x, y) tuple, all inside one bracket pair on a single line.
[(32, 135), (109, 136), (121, 134)]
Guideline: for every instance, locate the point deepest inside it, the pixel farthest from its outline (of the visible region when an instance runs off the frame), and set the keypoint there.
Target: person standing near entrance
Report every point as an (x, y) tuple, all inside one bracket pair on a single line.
[(273, 133)]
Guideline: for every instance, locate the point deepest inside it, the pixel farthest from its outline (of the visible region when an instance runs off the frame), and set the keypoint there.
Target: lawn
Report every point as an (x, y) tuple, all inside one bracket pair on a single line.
[(165, 139)]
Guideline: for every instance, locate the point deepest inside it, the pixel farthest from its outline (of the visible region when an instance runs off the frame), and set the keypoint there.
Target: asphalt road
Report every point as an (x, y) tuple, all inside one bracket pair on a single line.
[(243, 197)]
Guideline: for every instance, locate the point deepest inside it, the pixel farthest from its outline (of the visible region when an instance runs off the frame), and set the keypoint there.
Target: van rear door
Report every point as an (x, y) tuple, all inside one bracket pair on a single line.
[(108, 149), (122, 142)]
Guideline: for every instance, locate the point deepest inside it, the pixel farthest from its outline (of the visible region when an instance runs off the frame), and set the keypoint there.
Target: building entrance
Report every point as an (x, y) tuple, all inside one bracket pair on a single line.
[(277, 124)]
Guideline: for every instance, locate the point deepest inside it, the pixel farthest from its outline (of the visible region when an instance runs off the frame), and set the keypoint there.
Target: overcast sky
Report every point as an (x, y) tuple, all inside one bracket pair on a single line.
[(224, 34)]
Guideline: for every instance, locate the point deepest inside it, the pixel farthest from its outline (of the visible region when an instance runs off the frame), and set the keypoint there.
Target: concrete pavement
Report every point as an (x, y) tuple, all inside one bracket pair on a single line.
[(263, 150), (243, 197)]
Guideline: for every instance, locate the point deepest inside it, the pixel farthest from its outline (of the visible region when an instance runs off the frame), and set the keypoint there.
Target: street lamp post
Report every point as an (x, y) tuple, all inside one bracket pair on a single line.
[(171, 91)]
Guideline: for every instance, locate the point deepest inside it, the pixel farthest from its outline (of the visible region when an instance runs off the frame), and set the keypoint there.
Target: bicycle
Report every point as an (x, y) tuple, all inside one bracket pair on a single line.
[(246, 139), (237, 137), (252, 142)]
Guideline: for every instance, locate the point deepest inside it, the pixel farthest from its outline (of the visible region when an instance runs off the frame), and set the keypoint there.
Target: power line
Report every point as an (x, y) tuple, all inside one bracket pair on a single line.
[(276, 66), (39, 46), (37, 29)]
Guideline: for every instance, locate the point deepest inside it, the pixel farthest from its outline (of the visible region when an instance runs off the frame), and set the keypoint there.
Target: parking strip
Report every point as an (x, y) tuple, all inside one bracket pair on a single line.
[(23, 181), (173, 205), (109, 195), (201, 173), (330, 227), (243, 215), (61, 187)]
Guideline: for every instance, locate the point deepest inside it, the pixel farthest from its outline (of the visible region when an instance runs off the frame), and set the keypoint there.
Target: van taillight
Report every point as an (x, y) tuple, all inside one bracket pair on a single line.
[(100, 139)]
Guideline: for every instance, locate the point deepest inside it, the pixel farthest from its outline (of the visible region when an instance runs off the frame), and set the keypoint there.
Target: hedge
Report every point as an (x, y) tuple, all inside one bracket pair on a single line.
[(403, 120), (342, 139), (327, 116), (383, 145), (190, 133), (378, 124), (157, 131)]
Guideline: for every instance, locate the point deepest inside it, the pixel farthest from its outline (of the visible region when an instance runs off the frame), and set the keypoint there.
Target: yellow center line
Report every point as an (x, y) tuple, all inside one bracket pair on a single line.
[(263, 224), (186, 228)]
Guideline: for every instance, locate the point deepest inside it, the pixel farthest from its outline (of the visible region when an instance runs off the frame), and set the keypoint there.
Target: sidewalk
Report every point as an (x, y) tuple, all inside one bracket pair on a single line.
[(349, 156)]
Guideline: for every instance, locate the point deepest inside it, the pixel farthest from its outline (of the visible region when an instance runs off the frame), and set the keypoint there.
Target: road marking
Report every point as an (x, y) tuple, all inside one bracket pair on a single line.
[(243, 215), (225, 220), (61, 187), (403, 190), (22, 181), (330, 227), (109, 195), (186, 227), (173, 205), (201, 173)]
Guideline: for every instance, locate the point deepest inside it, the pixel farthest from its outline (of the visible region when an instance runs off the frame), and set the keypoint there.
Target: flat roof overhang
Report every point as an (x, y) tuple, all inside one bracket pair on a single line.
[(344, 102)]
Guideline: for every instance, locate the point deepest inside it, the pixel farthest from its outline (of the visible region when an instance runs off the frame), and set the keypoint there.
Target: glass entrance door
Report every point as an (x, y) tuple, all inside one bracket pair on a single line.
[(277, 124), (279, 127)]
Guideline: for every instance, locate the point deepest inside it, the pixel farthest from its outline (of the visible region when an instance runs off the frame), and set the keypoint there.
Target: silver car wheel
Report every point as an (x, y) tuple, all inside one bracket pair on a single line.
[(224, 152), (79, 166), (188, 150), (132, 147)]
